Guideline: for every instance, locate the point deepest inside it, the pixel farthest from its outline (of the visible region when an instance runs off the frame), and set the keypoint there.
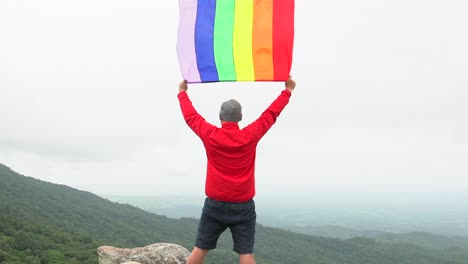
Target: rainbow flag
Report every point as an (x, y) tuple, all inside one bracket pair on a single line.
[(235, 40)]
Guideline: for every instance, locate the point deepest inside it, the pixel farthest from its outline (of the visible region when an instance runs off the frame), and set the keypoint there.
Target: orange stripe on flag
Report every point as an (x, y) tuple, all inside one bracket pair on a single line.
[(262, 40)]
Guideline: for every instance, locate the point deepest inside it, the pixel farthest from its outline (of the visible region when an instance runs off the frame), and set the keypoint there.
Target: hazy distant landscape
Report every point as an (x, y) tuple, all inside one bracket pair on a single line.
[(46, 223), (42, 223), (366, 213)]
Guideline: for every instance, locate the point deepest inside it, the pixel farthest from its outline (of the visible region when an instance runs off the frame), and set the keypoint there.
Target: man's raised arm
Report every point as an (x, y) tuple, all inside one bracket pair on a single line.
[(193, 119), (260, 126)]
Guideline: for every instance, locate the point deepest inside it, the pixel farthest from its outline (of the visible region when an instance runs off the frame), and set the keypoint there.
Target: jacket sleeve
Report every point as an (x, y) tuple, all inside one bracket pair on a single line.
[(260, 126), (193, 119)]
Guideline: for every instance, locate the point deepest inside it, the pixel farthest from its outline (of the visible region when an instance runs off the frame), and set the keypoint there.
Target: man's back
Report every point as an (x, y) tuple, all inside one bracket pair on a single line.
[(231, 163), (230, 175)]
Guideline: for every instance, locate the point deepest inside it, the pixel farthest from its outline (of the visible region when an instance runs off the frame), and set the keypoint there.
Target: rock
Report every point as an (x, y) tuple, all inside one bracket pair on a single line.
[(159, 253)]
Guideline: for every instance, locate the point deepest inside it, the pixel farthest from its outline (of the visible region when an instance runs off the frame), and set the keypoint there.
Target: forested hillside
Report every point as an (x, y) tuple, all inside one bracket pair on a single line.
[(423, 239), (43, 223)]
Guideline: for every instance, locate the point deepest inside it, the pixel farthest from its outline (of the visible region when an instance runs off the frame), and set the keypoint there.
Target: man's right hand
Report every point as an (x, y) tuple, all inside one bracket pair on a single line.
[(183, 86), (290, 84)]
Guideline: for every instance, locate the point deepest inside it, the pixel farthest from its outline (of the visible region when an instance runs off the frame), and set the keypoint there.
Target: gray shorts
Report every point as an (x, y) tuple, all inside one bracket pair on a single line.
[(217, 216)]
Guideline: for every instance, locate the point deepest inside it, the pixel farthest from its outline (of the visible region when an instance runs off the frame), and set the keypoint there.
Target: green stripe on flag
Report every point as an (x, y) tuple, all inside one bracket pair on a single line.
[(223, 33)]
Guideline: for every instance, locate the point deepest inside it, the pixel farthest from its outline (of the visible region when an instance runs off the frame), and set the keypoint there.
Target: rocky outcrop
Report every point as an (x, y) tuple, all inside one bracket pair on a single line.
[(159, 253)]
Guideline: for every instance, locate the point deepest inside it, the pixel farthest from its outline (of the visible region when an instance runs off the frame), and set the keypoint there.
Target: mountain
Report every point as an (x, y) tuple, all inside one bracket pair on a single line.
[(42, 223), (423, 239)]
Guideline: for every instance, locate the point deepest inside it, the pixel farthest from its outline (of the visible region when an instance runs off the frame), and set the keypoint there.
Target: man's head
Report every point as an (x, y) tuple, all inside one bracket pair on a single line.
[(231, 111)]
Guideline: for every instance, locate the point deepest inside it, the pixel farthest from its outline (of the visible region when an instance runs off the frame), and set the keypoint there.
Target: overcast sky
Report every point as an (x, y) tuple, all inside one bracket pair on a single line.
[(88, 97)]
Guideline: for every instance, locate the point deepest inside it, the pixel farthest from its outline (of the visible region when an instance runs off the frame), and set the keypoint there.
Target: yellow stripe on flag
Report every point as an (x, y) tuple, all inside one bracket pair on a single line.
[(242, 40)]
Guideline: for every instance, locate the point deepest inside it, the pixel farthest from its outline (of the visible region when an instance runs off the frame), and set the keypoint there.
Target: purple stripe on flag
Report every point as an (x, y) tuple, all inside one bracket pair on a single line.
[(185, 40)]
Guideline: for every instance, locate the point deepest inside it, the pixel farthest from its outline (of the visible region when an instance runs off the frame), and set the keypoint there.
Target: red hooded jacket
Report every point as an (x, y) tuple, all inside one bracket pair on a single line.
[(230, 151)]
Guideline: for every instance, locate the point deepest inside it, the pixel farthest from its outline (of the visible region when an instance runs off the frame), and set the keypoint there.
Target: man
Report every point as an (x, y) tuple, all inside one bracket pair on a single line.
[(230, 181)]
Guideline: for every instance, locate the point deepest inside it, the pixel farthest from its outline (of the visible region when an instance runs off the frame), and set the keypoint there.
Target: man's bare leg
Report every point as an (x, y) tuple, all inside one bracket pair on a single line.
[(246, 259), (197, 256)]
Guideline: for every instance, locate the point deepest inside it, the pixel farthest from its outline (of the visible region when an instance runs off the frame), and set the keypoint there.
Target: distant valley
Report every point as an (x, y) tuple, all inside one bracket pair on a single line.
[(419, 227), (47, 223)]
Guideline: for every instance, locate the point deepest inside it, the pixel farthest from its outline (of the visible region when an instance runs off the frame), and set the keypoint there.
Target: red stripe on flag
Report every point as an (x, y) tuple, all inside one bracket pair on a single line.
[(283, 38)]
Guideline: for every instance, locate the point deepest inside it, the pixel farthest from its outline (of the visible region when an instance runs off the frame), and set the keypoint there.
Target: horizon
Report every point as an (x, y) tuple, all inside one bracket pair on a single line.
[(358, 194), (437, 211)]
